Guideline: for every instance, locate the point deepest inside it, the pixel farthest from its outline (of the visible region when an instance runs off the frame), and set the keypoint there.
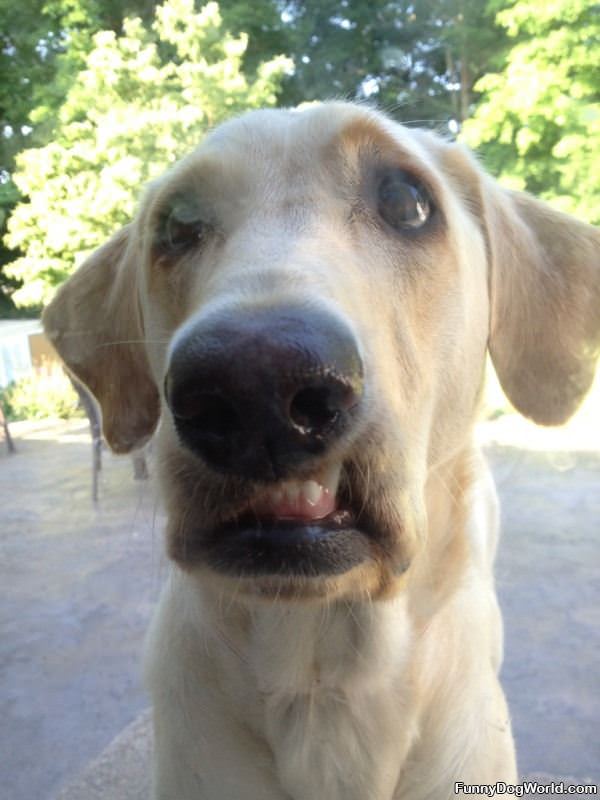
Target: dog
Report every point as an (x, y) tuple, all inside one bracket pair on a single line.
[(306, 302)]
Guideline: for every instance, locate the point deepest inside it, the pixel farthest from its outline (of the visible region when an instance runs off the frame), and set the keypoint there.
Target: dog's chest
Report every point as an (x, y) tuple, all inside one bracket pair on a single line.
[(328, 744), (335, 707)]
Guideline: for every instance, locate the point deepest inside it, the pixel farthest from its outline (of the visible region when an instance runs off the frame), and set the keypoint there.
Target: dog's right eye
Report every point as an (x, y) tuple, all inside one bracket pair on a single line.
[(402, 201), (181, 228)]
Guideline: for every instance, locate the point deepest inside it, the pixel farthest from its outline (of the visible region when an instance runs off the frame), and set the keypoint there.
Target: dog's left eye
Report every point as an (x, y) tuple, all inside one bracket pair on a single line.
[(181, 228), (402, 201)]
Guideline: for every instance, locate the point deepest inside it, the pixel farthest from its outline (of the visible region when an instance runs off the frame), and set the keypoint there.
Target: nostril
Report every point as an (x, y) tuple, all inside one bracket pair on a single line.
[(207, 412), (313, 409)]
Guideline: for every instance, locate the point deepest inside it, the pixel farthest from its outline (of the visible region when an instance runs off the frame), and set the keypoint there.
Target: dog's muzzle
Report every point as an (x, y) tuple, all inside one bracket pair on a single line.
[(269, 396)]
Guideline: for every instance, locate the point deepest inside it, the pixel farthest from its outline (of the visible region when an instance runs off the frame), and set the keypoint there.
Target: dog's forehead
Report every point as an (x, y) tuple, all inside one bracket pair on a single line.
[(275, 136), (291, 160)]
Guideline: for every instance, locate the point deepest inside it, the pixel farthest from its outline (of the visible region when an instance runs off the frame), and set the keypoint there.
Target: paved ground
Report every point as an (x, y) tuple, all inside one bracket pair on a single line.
[(78, 583), (548, 577)]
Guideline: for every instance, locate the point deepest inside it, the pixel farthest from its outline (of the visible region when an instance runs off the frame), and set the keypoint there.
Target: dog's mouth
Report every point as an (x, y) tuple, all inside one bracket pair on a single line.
[(305, 528)]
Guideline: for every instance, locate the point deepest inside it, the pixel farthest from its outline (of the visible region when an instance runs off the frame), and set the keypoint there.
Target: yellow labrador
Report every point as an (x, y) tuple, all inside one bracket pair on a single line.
[(305, 302)]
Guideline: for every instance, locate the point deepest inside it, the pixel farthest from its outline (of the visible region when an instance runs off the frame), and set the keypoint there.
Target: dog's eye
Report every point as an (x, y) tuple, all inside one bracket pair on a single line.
[(181, 228), (402, 201)]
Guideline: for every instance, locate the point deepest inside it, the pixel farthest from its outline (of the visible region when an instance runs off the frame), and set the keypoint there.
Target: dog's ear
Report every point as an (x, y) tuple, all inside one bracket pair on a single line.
[(544, 282), (95, 324), (545, 303)]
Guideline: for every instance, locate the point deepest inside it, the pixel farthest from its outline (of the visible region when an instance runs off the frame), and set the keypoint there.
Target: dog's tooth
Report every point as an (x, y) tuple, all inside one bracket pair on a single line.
[(331, 478), (308, 499), (275, 495), (315, 501), (312, 492), (291, 491)]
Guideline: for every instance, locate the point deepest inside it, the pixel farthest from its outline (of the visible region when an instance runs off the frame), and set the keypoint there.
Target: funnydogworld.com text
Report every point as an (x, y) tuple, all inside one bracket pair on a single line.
[(525, 788)]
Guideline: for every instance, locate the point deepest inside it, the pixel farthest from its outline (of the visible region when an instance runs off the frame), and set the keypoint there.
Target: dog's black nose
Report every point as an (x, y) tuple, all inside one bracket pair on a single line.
[(258, 392)]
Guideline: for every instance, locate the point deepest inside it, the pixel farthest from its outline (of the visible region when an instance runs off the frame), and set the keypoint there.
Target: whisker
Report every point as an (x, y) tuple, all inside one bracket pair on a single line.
[(101, 345)]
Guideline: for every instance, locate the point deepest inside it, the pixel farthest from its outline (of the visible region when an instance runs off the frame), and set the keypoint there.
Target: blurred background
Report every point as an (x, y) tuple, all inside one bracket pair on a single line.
[(99, 96)]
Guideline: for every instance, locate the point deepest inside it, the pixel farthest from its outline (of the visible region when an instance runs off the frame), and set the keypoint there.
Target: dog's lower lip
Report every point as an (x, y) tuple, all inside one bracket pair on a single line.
[(287, 546)]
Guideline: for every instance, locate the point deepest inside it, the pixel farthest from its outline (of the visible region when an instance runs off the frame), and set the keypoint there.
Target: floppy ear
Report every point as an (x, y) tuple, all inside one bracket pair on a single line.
[(95, 324), (545, 303)]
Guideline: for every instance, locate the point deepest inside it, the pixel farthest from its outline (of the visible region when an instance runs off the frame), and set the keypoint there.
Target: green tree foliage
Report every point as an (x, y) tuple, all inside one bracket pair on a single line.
[(538, 125), (43, 44), (142, 100), (97, 102), (261, 21), (420, 58)]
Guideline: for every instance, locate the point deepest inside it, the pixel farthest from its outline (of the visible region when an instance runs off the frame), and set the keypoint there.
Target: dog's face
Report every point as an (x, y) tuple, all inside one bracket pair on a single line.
[(311, 307), (308, 299)]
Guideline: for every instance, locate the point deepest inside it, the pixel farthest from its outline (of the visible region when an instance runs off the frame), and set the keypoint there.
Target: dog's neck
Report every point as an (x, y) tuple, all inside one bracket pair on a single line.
[(294, 648)]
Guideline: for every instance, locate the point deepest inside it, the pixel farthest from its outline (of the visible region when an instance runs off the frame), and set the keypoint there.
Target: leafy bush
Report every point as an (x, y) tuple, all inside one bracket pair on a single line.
[(143, 99), (47, 392), (537, 125)]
